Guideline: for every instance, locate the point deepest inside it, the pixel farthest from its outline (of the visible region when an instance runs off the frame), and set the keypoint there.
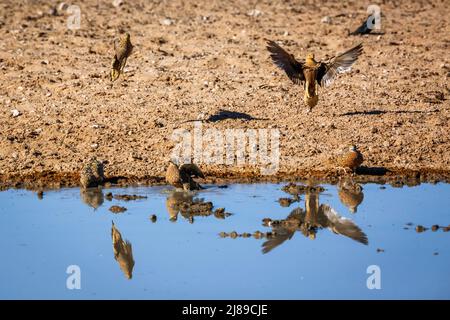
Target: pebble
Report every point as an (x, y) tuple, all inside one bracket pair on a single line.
[(420, 228), (257, 235), (223, 234), (117, 3), (15, 113), (285, 202), (166, 22), (435, 227), (326, 19), (254, 13), (117, 209), (153, 218)]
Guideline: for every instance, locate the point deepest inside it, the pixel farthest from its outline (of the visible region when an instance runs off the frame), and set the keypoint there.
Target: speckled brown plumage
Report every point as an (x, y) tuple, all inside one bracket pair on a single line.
[(182, 177), (123, 50), (310, 72), (351, 159)]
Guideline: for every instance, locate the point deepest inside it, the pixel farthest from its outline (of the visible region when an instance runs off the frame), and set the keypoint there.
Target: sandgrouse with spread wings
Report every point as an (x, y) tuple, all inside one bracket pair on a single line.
[(311, 72)]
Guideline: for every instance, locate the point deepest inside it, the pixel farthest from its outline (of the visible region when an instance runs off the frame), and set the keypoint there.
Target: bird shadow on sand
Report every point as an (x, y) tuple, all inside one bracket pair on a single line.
[(225, 114), (372, 171), (378, 112)]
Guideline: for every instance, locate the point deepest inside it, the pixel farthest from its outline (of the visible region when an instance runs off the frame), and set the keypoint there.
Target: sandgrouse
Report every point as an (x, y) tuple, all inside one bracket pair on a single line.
[(311, 72), (351, 159), (182, 177), (123, 252), (122, 50)]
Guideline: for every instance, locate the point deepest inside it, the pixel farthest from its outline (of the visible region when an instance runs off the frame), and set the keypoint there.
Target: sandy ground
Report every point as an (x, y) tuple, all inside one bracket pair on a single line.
[(191, 61)]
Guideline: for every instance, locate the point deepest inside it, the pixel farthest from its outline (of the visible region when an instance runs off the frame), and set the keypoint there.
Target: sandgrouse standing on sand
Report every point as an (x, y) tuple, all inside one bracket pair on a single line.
[(311, 72), (122, 50), (182, 177), (351, 159)]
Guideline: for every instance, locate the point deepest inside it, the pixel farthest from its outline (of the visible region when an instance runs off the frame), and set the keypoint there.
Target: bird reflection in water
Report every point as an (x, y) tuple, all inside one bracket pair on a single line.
[(93, 197), (123, 252), (309, 221), (350, 194)]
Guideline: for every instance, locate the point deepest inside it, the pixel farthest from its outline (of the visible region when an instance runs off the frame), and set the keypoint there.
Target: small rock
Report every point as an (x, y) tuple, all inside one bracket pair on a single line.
[(117, 3), (223, 234), (246, 235), (435, 227), (15, 113), (117, 209), (257, 235), (222, 186), (380, 250), (326, 19), (153, 218), (40, 194), (128, 197), (254, 13), (234, 235), (166, 22), (285, 202), (109, 196), (420, 228)]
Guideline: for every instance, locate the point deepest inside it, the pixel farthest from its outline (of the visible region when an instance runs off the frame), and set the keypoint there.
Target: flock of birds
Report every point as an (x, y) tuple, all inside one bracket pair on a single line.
[(310, 73)]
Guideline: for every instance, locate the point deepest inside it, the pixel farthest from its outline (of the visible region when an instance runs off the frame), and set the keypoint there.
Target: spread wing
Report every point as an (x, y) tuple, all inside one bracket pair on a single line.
[(327, 72), (286, 62), (191, 170), (343, 226), (281, 235)]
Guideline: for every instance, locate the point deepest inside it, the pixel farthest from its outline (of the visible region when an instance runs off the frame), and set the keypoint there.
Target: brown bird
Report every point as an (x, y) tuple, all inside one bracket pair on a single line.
[(351, 159), (123, 252), (350, 194), (123, 49), (182, 177), (311, 72)]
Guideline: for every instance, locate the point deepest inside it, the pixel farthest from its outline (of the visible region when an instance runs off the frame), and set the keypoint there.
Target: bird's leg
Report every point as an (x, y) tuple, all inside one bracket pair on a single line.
[(122, 67), (342, 168)]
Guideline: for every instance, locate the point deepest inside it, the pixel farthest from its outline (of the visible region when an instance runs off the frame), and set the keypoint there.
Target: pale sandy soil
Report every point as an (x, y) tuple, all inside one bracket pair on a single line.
[(394, 104)]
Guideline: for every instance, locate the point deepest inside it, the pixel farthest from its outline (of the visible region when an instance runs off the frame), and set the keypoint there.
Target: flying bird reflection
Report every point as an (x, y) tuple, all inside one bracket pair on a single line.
[(309, 221)]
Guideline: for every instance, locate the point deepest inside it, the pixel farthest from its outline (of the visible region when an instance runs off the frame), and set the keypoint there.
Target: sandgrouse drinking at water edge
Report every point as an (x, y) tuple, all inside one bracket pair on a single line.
[(311, 72), (122, 50), (182, 177)]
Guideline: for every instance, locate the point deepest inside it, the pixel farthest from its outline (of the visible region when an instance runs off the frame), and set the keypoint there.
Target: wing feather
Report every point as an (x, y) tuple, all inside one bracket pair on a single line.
[(286, 62), (342, 63)]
